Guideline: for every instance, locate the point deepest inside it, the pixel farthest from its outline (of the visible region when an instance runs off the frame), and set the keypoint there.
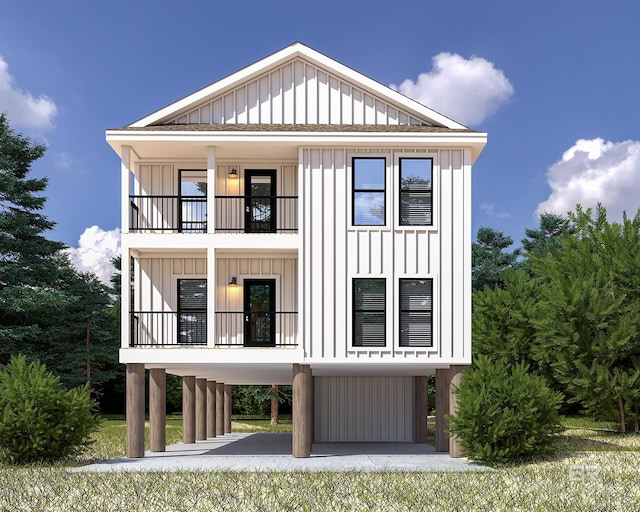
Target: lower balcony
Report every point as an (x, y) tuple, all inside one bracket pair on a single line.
[(231, 329)]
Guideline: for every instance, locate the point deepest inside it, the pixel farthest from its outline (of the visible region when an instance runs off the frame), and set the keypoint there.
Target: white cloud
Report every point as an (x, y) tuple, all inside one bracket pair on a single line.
[(466, 90), (22, 108), (595, 171), (63, 160), (490, 210), (95, 250)]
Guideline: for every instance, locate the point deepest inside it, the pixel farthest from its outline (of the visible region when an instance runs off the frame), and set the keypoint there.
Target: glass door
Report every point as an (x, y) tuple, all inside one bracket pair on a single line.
[(259, 312), (193, 201), (260, 201)]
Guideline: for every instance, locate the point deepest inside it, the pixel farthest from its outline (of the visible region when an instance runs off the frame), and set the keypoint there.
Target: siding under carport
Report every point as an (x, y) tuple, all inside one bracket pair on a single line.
[(363, 409)]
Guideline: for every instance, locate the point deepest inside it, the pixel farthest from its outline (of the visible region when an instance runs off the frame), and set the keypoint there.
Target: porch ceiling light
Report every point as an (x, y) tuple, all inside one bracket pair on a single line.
[(233, 282), (233, 174)]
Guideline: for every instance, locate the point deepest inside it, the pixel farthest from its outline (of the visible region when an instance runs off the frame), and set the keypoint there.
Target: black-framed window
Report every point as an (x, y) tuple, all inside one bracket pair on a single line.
[(369, 312), (416, 191), (192, 311), (369, 191), (416, 312)]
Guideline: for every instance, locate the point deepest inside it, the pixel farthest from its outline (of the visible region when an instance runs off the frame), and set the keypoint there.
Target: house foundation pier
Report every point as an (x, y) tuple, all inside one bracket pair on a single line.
[(442, 409), (201, 409), (211, 408), (188, 409), (135, 410), (302, 410), (227, 408), (158, 409), (455, 376), (219, 409)]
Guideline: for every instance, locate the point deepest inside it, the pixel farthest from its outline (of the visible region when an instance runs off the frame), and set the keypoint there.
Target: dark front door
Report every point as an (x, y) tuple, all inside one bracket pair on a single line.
[(259, 312), (260, 201)]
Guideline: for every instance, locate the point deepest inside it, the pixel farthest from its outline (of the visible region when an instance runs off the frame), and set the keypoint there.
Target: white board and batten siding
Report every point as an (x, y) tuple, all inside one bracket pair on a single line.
[(363, 409), (301, 93), (284, 270), (335, 252), (156, 290)]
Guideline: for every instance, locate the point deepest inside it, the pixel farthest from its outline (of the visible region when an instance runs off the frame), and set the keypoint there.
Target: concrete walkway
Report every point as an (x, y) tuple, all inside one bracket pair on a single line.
[(272, 452)]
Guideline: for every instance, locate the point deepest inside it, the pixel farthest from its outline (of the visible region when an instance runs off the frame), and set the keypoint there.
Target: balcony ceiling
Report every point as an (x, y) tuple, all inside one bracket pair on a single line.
[(274, 373)]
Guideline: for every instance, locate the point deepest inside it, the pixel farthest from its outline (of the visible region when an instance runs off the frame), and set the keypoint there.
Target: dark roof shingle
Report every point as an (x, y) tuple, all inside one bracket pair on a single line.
[(320, 128)]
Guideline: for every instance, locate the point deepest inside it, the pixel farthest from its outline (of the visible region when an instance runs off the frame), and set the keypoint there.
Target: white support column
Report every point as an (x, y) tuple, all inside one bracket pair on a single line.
[(211, 189), (125, 185), (211, 255), (211, 297), (125, 275), (125, 297), (467, 278)]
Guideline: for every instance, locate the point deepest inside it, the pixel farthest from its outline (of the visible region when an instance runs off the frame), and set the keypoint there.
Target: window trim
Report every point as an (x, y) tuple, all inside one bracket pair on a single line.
[(354, 311), (432, 155), (387, 191), (401, 192), (430, 344), (179, 311)]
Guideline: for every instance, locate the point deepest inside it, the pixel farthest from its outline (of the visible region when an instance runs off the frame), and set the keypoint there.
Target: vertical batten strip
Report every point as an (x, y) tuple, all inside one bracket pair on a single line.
[(466, 349), (458, 249)]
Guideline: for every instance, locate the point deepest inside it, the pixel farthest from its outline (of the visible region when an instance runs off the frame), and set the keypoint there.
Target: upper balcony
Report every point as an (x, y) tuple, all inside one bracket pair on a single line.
[(233, 214), (252, 201)]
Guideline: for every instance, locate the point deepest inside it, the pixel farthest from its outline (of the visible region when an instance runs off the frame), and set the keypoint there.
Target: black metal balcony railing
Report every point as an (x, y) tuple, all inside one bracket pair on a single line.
[(175, 214), (189, 328), (264, 329), (150, 328), (257, 214), (188, 214)]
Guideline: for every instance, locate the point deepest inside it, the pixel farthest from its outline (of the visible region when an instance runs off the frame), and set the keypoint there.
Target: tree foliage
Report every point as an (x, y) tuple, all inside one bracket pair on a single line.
[(29, 270), (39, 418), (548, 235), (503, 319), (490, 259), (48, 310), (505, 413), (589, 322), (571, 313)]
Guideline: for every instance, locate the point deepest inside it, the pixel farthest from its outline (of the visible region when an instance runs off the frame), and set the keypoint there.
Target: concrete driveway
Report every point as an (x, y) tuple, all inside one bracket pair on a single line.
[(272, 452)]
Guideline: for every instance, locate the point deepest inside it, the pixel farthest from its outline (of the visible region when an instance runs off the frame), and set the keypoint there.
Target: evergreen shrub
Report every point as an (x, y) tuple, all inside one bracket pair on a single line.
[(504, 412), (40, 419)]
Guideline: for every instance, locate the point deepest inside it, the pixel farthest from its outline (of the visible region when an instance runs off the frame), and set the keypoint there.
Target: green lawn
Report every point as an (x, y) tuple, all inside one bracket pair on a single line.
[(594, 469)]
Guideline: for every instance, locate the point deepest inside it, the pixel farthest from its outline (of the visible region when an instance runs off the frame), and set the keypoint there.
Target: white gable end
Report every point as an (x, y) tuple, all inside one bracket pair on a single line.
[(297, 85), (298, 93)]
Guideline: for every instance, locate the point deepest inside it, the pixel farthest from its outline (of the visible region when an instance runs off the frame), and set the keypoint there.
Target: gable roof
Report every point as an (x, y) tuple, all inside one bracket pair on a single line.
[(297, 85)]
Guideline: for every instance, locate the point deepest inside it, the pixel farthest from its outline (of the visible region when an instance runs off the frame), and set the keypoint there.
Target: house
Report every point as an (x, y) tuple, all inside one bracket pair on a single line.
[(299, 223)]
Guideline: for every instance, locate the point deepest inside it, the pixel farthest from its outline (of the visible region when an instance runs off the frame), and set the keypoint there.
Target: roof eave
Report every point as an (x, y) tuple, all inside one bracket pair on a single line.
[(476, 140)]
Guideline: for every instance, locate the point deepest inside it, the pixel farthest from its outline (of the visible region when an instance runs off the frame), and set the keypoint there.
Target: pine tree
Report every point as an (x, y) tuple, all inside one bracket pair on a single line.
[(48, 311), (503, 319), (589, 327), (489, 258), (83, 343), (29, 273), (548, 235)]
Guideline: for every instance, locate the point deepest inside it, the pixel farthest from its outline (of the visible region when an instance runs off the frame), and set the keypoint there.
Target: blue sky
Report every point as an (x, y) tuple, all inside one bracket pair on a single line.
[(554, 83)]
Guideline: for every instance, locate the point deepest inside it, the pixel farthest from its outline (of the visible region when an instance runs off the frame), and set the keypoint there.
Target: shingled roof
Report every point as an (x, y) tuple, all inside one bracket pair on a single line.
[(321, 128)]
